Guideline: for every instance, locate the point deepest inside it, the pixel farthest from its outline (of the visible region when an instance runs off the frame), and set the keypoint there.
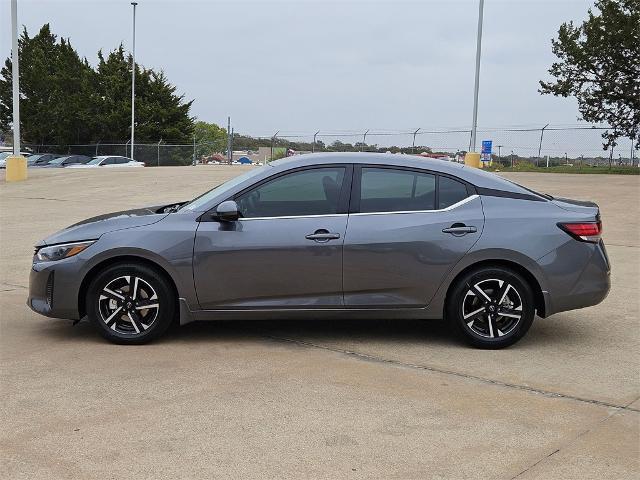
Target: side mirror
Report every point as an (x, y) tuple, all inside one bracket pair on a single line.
[(227, 211)]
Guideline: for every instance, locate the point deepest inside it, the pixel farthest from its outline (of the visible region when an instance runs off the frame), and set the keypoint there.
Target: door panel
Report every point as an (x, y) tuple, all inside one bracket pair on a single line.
[(269, 263), (286, 249), (400, 258)]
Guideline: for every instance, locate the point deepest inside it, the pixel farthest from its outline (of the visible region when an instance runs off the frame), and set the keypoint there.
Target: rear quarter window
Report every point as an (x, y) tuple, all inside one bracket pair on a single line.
[(450, 192)]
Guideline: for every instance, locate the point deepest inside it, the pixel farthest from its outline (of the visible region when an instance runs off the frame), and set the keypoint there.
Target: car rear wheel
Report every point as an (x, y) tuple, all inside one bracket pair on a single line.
[(130, 303), (491, 307)]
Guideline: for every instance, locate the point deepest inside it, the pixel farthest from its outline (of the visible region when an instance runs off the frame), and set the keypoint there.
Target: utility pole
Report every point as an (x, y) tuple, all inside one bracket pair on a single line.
[(413, 145), (273, 139), (540, 144), (133, 81), (231, 143), (228, 139), (474, 125), (500, 153), (364, 140)]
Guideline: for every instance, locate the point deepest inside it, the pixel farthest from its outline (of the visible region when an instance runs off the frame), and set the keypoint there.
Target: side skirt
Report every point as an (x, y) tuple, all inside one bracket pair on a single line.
[(188, 316)]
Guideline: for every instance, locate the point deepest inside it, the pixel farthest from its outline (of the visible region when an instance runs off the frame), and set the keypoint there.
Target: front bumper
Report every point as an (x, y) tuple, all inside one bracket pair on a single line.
[(54, 288)]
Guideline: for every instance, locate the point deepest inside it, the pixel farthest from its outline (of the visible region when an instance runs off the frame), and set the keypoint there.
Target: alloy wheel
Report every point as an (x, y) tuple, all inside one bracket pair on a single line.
[(492, 308), (128, 305)]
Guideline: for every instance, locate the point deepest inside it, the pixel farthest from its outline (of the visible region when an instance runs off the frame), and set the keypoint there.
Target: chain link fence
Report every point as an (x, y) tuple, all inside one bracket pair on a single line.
[(542, 146)]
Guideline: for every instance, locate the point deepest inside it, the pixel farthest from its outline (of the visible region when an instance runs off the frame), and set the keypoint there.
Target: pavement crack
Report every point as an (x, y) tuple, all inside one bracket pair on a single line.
[(573, 440), (40, 198), (13, 286), (397, 363), (539, 461)]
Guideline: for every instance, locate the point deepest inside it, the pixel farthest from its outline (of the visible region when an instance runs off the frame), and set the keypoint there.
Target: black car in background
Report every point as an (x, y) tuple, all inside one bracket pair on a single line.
[(66, 161)]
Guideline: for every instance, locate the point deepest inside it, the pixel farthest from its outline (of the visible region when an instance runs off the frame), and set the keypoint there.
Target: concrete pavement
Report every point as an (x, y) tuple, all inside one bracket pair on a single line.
[(316, 399)]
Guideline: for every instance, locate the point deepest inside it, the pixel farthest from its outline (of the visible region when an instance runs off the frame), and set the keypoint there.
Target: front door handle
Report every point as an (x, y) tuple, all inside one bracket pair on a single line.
[(459, 229), (322, 235)]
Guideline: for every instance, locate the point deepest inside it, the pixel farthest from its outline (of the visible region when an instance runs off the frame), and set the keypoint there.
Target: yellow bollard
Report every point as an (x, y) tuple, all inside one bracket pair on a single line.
[(16, 168), (472, 159)]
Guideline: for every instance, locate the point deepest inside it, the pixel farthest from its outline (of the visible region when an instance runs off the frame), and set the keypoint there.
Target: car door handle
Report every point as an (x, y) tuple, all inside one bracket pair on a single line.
[(459, 229), (322, 236)]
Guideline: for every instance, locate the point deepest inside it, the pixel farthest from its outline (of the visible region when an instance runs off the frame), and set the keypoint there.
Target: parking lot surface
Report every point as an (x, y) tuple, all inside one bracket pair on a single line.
[(312, 399)]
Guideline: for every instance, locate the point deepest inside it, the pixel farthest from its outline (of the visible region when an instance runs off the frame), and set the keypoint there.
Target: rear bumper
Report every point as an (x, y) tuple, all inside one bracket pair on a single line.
[(54, 287), (569, 288)]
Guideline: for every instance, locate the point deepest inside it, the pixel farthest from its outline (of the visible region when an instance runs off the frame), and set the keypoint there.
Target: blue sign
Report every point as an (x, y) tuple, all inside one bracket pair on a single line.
[(486, 150)]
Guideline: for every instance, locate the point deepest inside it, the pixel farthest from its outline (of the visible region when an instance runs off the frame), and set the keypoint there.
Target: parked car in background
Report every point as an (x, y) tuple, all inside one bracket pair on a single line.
[(67, 161), (40, 159), (109, 161), (337, 236), (5, 155)]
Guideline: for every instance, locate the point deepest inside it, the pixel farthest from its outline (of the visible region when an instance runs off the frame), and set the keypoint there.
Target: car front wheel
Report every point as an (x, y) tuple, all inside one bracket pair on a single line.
[(130, 303), (491, 307)]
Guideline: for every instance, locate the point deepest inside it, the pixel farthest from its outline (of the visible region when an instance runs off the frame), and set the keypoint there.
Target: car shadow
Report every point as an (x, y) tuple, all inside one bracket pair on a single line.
[(366, 330), (549, 332)]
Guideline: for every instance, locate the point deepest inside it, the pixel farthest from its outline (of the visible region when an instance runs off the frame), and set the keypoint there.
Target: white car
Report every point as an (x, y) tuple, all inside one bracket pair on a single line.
[(5, 155), (109, 161)]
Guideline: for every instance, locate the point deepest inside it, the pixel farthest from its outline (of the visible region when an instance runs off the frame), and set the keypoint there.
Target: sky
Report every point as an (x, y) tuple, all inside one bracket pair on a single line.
[(302, 66)]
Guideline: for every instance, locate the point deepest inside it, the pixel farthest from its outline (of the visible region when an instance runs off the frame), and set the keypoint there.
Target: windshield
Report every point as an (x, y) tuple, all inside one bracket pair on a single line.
[(95, 161), (58, 161), (198, 202)]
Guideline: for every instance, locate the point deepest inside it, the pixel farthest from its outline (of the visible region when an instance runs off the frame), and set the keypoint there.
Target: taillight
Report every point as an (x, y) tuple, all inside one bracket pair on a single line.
[(583, 231)]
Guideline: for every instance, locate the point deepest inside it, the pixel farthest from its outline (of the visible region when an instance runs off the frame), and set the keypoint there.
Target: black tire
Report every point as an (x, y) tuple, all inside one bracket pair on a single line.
[(475, 317), (121, 318)]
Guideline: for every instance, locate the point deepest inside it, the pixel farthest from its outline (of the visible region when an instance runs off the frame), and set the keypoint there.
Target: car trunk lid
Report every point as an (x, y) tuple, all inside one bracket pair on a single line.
[(578, 206)]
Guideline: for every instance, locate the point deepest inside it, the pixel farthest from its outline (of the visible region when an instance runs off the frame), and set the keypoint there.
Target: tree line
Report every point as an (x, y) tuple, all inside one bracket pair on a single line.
[(64, 100)]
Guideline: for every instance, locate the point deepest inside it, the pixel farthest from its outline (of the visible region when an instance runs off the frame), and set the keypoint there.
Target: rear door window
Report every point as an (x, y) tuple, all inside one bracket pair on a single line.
[(395, 190)]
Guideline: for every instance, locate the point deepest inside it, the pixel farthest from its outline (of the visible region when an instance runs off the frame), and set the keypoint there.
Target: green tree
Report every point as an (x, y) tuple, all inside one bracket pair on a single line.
[(112, 97), (160, 112), (55, 89), (65, 101), (210, 138), (599, 64)]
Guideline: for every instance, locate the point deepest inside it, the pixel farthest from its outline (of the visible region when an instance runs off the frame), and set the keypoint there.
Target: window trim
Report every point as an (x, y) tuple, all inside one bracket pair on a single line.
[(405, 212), (343, 198), (354, 206)]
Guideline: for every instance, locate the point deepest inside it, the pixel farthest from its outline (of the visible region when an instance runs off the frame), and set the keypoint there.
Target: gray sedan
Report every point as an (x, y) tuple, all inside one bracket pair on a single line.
[(332, 236)]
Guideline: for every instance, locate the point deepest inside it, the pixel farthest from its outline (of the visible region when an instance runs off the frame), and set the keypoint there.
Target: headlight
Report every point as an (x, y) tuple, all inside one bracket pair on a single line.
[(64, 250)]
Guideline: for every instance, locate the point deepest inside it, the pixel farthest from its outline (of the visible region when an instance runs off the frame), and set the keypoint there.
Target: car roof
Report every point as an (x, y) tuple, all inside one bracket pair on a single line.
[(475, 176)]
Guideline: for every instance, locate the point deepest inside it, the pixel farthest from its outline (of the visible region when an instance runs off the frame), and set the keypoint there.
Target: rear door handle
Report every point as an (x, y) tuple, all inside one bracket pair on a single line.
[(322, 236), (459, 229)]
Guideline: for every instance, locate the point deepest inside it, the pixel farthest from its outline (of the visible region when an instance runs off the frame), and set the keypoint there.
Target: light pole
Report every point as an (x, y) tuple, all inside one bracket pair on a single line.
[(273, 140), (540, 144), (133, 81), (474, 125), (16, 166), (364, 140), (413, 145), (15, 77)]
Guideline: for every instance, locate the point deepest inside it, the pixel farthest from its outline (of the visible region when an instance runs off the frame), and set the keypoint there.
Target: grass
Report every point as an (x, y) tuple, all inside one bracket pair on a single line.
[(528, 167)]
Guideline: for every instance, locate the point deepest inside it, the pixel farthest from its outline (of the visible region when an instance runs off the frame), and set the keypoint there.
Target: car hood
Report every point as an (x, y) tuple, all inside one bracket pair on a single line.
[(94, 227)]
